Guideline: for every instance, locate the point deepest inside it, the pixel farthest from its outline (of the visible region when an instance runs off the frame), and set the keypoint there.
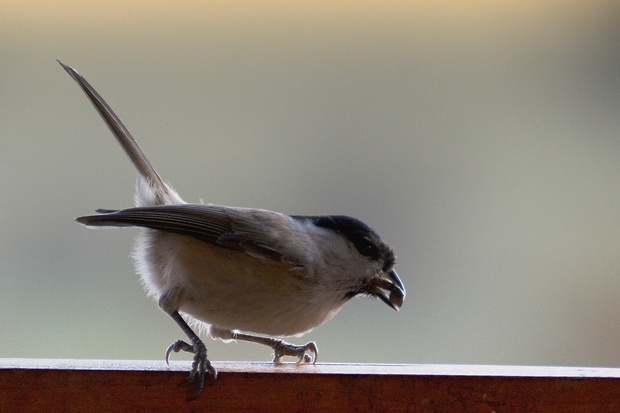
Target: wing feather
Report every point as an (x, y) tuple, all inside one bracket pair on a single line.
[(225, 227)]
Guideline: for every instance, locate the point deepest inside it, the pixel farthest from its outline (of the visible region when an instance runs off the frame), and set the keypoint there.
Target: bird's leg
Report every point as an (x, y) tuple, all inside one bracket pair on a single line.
[(280, 348), (201, 367)]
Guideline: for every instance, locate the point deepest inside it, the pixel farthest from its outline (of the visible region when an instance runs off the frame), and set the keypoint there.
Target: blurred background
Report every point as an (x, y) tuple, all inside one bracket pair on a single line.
[(481, 139)]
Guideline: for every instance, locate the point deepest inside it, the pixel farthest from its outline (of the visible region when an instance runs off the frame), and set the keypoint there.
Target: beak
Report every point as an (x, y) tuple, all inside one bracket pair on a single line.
[(380, 287)]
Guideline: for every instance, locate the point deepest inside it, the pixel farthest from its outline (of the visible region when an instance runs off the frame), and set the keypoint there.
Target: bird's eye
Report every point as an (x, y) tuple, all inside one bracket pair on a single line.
[(367, 248)]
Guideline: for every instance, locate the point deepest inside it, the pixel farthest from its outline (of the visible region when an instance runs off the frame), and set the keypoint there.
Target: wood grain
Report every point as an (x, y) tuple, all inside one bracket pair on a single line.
[(113, 386)]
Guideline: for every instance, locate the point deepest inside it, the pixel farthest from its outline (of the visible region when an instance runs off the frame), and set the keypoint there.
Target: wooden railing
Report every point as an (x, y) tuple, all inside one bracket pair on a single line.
[(134, 386)]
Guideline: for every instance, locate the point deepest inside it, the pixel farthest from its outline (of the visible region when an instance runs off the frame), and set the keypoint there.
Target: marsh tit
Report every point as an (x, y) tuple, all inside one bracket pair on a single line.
[(247, 274)]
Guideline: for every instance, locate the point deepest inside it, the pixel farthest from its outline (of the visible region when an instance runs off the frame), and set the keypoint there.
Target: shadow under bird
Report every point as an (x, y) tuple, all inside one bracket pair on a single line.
[(247, 274)]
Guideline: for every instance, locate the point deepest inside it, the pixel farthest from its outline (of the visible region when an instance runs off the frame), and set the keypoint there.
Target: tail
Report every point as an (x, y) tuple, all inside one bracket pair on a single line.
[(155, 192)]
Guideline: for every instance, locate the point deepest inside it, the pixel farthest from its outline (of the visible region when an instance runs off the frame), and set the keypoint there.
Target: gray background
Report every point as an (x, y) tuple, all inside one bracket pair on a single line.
[(480, 139)]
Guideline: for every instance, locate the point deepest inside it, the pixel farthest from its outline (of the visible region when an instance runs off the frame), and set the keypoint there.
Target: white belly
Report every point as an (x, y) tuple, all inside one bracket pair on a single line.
[(232, 290)]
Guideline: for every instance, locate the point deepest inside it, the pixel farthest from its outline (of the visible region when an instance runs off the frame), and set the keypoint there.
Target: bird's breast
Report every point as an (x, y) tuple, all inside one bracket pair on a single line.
[(232, 290)]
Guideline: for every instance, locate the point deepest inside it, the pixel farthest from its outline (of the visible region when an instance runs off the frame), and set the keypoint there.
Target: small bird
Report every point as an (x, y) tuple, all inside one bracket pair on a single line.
[(247, 274)]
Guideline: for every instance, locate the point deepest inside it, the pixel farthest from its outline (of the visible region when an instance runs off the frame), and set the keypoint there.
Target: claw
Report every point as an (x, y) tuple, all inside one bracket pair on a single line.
[(176, 347), (282, 348), (201, 366)]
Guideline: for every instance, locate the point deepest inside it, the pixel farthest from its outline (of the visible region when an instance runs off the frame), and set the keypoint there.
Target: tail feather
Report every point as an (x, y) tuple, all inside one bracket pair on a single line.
[(155, 192), (117, 127)]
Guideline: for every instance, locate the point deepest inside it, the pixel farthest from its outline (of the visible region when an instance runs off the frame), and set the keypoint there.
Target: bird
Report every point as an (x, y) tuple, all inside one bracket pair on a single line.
[(245, 274)]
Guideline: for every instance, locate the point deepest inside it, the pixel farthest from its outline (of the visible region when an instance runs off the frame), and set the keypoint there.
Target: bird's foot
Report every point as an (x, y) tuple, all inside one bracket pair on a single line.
[(201, 367), (282, 348)]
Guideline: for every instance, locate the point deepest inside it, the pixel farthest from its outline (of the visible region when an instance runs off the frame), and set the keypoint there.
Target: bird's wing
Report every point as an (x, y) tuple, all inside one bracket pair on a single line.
[(253, 231)]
